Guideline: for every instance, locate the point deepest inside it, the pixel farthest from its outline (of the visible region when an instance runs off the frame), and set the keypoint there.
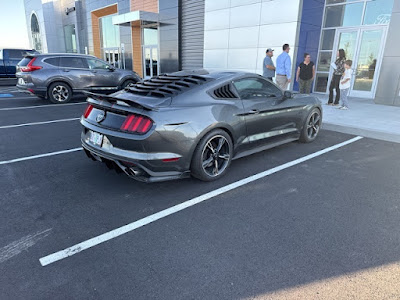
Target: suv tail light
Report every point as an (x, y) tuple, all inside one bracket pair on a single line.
[(137, 124), (88, 110), (30, 67)]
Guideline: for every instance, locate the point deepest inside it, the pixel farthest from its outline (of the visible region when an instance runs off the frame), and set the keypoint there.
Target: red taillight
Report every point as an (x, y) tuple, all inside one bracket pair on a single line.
[(170, 159), (30, 67), (88, 110), (138, 124)]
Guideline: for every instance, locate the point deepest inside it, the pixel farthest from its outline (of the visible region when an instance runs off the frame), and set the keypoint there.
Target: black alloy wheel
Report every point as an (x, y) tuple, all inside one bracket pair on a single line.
[(59, 92), (311, 127), (213, 156)]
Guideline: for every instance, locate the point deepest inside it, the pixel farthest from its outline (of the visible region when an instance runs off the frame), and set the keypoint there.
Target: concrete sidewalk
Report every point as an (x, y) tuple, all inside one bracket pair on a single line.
[(364, 118)]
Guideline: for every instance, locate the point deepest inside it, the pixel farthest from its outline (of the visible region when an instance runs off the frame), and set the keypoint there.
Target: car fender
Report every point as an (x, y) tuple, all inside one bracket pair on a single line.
[(59, 79)]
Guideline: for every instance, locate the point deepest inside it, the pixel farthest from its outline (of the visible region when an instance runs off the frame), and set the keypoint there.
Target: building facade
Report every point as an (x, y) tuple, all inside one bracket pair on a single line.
[(159, 36)]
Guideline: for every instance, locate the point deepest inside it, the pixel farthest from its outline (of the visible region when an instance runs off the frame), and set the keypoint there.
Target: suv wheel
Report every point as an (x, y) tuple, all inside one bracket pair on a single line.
[(127, 83), (59, 92)]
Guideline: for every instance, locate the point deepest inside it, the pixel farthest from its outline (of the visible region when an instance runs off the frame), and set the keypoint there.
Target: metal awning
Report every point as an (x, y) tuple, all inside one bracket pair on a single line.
[(133, 16)]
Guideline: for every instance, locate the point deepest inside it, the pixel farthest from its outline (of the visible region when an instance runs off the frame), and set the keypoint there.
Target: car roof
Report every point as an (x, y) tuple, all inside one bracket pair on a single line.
[(63, 54)]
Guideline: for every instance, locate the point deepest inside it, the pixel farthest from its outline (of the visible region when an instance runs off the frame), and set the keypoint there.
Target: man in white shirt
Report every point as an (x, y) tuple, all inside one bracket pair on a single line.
[(344, 85)]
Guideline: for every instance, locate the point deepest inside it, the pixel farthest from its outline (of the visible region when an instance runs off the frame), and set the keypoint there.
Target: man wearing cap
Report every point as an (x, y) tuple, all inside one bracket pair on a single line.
[(268, 65)]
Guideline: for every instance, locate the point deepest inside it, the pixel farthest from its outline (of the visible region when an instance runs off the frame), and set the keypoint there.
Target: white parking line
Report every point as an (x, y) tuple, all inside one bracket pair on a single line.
[(20, 98), (40, 106), (49, 259), (38, 123), (4, 162)]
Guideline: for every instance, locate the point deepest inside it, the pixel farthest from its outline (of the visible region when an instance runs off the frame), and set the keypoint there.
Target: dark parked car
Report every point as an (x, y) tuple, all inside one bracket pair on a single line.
[(179, 124), (9, 58), (59, 76)]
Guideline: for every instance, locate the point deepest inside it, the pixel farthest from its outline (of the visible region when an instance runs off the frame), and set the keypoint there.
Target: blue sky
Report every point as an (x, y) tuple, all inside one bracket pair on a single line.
[(13, 30)]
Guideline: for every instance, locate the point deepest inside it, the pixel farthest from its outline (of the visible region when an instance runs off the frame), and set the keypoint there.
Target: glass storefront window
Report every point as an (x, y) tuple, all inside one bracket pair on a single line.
[(109, 32), (70, 39), (328, 37), (324, 61), (338, 1), (150, 36), (378, 12), (321, 83), (344, 15)]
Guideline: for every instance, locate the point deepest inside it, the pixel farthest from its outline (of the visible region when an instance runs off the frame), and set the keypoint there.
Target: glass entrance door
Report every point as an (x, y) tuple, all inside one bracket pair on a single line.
[(368, 60), (114, 57), (150, 61), (364, 48)]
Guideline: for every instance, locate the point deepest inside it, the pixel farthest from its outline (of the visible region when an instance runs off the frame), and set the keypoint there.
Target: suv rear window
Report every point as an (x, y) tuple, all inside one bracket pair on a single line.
[(25, 61), (54, 61), (73, 62)]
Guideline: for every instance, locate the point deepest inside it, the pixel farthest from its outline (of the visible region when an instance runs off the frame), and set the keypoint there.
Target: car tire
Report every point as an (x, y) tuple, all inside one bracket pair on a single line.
[(212, 156), (311, 127), (126, 83), (59, 92)]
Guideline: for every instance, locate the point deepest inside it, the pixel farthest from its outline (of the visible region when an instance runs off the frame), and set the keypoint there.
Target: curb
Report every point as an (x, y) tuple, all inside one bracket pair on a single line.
[(374, 134)]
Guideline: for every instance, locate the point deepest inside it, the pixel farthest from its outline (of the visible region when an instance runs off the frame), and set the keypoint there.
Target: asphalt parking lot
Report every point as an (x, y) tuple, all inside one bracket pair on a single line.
[(333, 214)]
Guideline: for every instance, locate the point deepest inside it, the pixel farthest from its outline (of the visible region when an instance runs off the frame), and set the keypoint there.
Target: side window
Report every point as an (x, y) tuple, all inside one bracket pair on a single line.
[(95, 64), (54, 61), (73, 62), (251, 88)]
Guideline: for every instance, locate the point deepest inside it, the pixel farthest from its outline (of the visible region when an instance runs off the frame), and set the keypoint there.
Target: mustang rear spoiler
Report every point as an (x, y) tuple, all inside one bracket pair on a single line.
[(124, 101)]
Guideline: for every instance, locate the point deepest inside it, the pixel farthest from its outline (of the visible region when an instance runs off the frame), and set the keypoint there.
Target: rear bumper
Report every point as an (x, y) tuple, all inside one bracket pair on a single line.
[(141, 166), (30, 88)]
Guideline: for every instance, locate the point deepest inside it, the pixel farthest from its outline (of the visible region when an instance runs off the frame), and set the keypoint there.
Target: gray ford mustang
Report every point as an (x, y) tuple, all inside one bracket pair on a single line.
[(193, 123)]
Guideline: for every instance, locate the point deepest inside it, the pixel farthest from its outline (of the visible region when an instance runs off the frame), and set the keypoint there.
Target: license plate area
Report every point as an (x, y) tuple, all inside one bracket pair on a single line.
[(95, 138)]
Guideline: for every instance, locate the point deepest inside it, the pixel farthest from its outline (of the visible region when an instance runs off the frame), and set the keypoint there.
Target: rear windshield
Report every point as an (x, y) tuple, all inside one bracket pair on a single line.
[(25, 61)]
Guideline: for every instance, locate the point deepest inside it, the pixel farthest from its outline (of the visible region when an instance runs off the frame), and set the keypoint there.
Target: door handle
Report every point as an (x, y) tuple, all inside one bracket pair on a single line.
[(94, 71), (254, 112), (65, 70)]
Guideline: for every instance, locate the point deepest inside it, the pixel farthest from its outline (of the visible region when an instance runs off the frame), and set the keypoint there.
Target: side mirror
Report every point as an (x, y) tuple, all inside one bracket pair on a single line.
[(110, 68), (287, 95)]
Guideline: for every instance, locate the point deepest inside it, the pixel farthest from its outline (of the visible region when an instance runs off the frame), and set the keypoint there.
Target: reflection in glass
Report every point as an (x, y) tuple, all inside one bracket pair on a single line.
[(328, 36), (321, 83), (324, 61), (343, 15), (70, 38), (154, 59), (369, 50), (109, 32), (35, 31), (150, 36), (147, 61), (347, 42), (378, 12)]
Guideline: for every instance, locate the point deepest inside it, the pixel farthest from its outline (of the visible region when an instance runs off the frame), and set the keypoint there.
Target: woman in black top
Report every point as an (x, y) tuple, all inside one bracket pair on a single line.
[(305, 74), (337, 75)]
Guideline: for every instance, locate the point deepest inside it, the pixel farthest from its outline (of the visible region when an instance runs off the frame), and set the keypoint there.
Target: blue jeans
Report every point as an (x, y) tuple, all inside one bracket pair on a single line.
[(343, 97)]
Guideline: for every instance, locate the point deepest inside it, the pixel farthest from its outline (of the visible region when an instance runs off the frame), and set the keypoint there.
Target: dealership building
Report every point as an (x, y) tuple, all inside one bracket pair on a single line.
[(159, 36)]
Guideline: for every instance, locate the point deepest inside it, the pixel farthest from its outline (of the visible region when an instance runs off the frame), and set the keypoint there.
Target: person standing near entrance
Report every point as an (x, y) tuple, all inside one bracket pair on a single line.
[(337, 75), (268, 65), (345, 84), (283, 68), (305, 74)]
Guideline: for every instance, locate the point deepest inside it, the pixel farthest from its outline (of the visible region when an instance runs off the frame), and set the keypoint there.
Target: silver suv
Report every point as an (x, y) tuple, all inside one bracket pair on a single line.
[(58, 76)]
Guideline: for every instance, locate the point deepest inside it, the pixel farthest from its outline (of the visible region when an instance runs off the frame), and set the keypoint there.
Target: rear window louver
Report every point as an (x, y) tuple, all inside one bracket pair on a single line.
[(166, 85), (224, 92)]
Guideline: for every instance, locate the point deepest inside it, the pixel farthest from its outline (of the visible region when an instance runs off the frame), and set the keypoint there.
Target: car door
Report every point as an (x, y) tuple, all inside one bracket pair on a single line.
[(268, 114), (76, 71), (105, 78)]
